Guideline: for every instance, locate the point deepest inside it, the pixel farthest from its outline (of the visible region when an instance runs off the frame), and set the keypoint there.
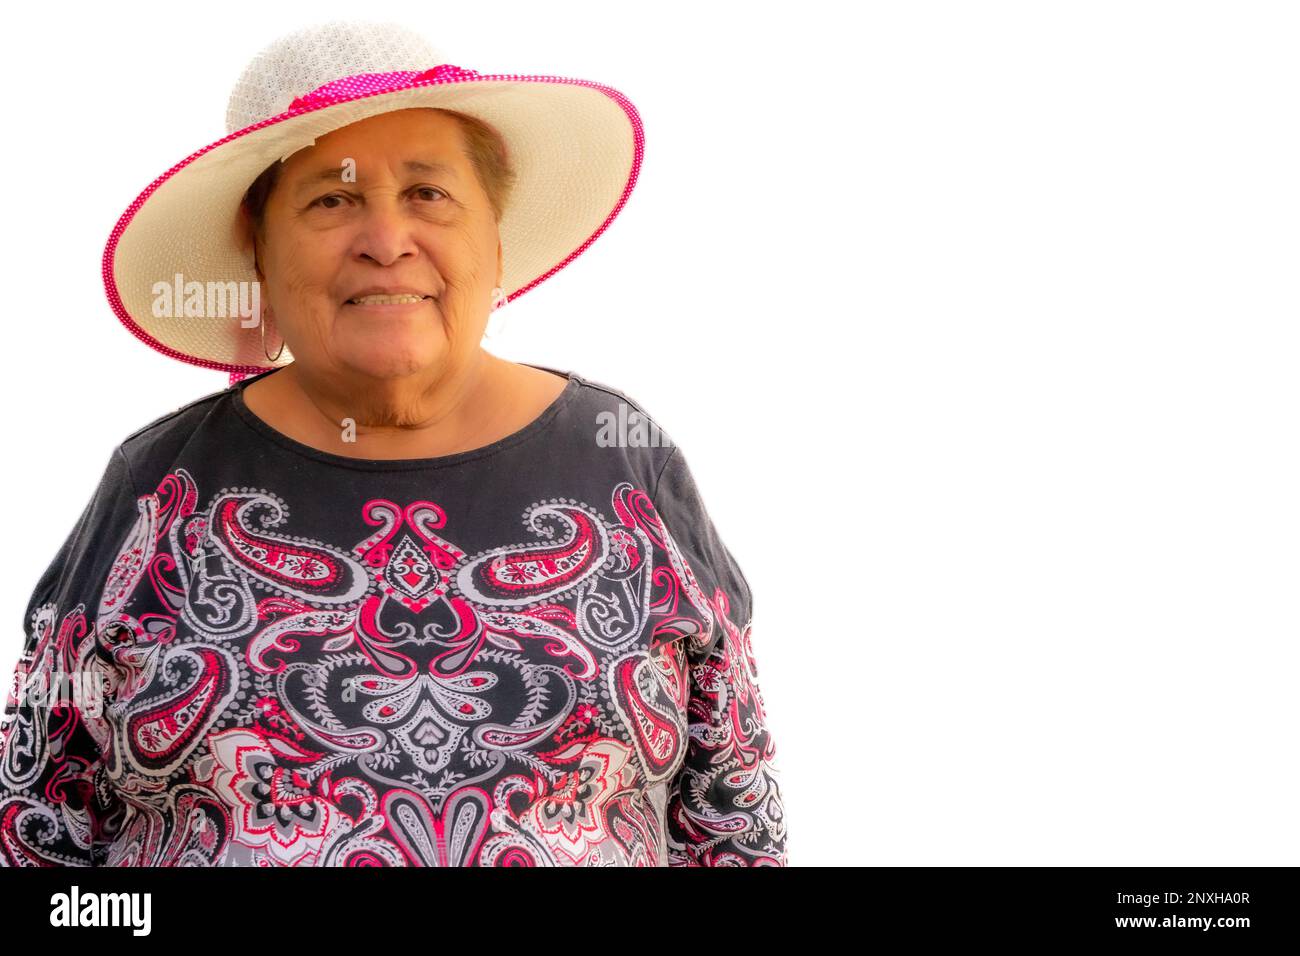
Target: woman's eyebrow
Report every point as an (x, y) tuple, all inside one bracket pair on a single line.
[(334, 174), (431, 166)]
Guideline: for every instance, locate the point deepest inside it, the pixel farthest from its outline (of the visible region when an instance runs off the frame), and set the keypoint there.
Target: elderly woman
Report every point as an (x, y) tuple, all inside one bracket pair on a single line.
[(388, 599)]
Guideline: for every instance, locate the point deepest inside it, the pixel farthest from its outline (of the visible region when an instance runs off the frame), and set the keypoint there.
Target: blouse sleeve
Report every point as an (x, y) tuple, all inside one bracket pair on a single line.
[(724, 804), (53, 734)]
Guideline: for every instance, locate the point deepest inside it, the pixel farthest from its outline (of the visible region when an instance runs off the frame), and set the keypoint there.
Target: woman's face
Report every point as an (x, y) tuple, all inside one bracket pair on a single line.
[(388, 203)]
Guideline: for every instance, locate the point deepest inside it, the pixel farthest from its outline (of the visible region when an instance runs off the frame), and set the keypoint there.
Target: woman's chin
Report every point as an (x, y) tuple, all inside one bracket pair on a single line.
[(390, 358)]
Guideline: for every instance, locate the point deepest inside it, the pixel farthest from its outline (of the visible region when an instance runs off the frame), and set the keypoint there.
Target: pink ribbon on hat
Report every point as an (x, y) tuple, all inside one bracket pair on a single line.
[(350, 87)]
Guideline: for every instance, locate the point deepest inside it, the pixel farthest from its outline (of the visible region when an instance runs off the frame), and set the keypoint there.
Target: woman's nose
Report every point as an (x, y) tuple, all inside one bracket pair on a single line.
[(386, 233)]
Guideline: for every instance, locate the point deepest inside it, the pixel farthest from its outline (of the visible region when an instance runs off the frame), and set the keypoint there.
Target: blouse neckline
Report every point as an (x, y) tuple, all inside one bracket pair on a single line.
[(407, 464)]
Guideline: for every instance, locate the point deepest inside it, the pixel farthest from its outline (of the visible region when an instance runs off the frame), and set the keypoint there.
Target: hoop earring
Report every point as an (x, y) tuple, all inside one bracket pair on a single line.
[(277, 355)]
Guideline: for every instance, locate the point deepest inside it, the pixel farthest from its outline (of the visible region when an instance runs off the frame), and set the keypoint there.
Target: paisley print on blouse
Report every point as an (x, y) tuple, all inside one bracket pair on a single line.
[(577, 688)]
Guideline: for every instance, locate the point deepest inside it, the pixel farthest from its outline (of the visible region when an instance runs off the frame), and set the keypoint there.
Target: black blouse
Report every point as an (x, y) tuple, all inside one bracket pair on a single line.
[(250, 652)]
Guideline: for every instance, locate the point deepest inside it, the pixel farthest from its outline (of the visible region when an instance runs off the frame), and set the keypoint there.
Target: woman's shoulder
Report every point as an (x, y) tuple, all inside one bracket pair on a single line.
[(603, 391), (162, 438), (615, 418), (605, 398)]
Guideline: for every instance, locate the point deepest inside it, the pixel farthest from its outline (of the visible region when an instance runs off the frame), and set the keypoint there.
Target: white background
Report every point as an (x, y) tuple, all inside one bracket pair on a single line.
[(977, 323)]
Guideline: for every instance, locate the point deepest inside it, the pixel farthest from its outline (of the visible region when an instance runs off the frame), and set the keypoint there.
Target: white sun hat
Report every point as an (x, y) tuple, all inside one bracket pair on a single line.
[(575, 145)]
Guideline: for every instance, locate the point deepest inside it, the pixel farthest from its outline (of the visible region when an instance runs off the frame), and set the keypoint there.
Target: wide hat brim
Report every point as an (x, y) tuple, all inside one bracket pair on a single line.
[(576, 147)]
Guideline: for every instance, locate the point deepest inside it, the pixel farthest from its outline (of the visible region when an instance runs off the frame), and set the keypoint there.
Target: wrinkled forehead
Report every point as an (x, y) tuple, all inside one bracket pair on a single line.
[(391, 140)]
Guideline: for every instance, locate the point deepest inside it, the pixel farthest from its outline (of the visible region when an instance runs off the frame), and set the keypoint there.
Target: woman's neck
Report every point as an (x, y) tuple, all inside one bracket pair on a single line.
[(461, 410)]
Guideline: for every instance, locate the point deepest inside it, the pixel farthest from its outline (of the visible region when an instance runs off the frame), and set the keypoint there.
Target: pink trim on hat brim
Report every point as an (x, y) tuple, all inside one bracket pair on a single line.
[(238, 372)]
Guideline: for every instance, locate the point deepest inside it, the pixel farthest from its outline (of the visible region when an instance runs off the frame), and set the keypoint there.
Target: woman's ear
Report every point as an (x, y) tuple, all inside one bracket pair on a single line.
[(246, 238)]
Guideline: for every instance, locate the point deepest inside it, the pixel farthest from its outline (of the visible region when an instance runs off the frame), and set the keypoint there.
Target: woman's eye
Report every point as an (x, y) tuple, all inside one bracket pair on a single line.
[(337, 200), (323, 199)]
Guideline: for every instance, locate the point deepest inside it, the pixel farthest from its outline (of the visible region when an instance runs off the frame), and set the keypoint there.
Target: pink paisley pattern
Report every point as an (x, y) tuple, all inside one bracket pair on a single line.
[(572, 698)]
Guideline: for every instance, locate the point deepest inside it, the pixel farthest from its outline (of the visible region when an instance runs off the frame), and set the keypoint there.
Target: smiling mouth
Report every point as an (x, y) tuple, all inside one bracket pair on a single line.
[(388, 299)]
